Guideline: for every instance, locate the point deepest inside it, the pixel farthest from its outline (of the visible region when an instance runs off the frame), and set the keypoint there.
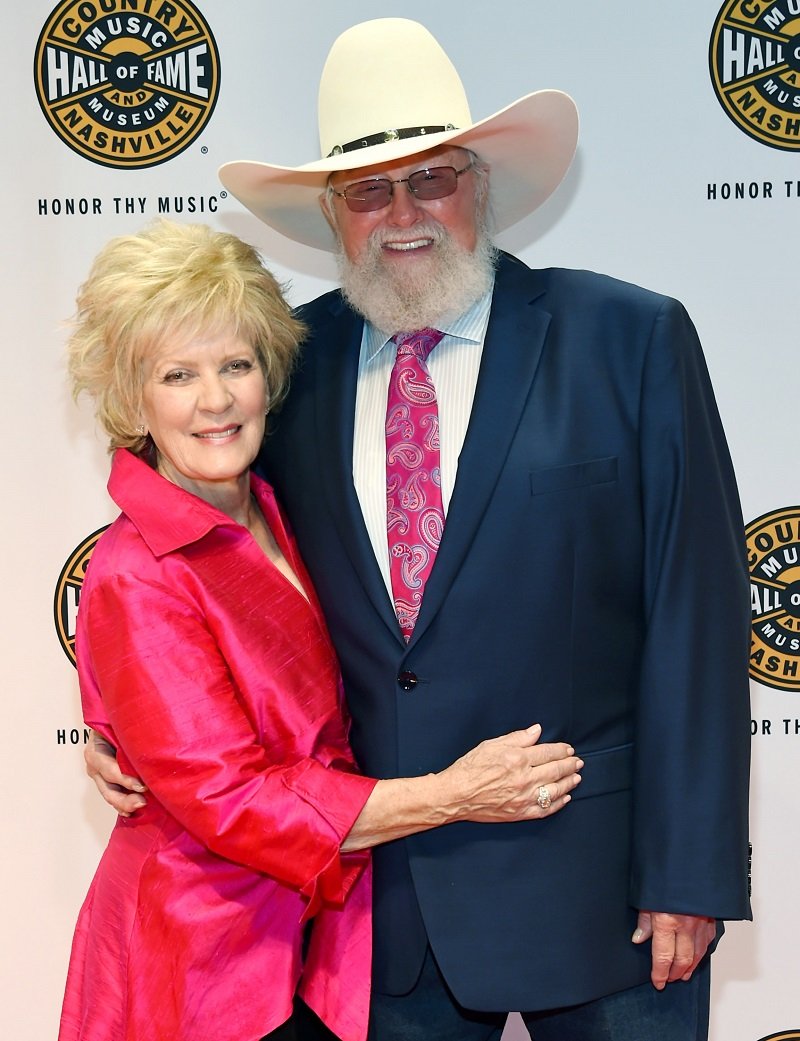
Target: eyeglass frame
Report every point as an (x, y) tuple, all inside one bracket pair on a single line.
[(403, 180)]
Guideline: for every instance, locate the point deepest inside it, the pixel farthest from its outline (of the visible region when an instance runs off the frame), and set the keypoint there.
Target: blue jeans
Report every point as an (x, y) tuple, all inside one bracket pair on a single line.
[(431, 1013)]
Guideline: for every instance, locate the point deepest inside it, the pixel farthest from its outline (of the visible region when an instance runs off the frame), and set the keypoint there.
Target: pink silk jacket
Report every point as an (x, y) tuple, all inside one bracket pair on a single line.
[(216, 680)]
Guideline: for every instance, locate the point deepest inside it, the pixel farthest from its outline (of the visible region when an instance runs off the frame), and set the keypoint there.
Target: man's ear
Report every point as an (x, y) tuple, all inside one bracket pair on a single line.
[(327, 211)]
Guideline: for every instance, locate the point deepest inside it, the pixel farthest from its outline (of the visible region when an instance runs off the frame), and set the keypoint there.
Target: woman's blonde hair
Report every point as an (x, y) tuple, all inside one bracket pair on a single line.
[(172, 280)]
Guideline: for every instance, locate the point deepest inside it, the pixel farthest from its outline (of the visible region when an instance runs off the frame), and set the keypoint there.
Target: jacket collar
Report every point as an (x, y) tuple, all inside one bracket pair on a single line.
[(512, 349)]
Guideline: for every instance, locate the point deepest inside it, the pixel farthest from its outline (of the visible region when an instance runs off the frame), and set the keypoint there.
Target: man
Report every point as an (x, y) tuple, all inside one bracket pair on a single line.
[(590, 572)]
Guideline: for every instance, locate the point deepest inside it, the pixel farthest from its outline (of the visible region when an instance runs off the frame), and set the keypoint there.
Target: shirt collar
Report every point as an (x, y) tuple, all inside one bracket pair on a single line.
[(166, 516), (469, 326)]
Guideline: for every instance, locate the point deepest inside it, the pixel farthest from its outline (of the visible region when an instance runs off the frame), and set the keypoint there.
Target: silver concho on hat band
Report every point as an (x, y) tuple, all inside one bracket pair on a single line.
[(385, 136)]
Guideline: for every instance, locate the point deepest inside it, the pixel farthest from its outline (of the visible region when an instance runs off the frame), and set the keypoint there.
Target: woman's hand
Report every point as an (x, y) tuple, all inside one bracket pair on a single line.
[(508, 778), (119, 790), (512, 778)]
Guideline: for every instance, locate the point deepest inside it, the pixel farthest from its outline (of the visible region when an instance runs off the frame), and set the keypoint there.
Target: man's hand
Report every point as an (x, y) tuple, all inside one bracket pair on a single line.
[(679, 943), (118, 789)]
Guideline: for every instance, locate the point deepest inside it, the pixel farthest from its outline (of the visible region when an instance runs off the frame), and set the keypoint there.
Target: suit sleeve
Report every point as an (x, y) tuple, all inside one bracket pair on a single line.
[(692, 728), (176, 716)]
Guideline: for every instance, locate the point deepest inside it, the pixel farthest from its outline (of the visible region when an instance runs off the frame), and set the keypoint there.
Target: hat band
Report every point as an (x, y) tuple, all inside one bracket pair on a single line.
[(386, 136)]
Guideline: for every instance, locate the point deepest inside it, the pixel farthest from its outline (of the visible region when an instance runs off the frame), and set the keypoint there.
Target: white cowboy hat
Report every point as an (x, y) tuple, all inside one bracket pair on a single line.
[(364, 120)]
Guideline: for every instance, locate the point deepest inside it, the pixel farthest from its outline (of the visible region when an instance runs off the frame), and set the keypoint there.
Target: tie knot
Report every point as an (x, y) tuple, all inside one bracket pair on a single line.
[(420, 343)]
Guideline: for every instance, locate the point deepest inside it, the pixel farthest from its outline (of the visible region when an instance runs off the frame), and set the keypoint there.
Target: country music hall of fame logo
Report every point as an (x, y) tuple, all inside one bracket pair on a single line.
[(754, 60), (127, 83), (773, 555), (68, 592)]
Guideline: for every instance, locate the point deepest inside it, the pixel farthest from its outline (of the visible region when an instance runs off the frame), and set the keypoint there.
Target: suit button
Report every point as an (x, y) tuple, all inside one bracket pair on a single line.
[(407, 680)]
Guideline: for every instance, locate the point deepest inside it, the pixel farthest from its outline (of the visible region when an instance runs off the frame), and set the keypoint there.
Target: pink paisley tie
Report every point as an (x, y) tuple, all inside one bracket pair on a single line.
[(414, 512)]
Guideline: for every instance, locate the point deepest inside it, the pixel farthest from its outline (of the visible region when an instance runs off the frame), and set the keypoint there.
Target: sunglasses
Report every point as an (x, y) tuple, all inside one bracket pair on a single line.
[(435, 182)]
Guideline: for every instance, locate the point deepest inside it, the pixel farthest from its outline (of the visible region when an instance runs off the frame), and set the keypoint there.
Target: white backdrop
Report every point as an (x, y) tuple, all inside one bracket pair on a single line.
[(636, 204)]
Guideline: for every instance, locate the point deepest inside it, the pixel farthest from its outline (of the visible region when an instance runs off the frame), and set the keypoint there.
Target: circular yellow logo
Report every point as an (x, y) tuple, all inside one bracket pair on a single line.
[(68, 592), (773, 554), (755, 68), (784, 1035), (127, 83)]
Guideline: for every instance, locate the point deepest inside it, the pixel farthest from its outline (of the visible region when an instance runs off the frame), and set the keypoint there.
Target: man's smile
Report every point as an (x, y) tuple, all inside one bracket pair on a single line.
[(405, 247)]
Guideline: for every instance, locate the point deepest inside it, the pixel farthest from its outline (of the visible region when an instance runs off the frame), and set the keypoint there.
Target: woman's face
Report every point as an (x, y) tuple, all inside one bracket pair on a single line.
[(204, 403)]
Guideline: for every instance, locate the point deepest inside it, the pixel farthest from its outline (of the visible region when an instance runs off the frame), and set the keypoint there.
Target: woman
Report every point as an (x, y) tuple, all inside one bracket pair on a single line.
[(204, 659)]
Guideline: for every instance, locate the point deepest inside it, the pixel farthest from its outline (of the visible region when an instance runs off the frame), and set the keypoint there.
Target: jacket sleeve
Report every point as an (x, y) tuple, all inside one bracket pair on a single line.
[(692, 728), (181, 726)]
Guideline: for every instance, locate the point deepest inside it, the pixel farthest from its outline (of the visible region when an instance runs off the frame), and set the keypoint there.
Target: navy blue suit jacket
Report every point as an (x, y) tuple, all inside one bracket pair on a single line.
[(591, 577)]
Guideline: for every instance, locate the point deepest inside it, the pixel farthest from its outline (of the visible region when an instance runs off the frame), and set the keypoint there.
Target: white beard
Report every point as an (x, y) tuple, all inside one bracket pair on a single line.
[(428, 290)]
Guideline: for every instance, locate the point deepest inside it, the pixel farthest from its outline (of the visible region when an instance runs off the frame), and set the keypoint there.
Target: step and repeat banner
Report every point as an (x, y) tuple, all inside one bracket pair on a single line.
[(687, 180)]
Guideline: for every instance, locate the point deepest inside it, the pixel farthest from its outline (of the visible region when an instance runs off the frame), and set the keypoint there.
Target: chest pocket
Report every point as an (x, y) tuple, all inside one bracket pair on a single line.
[(574, 475)]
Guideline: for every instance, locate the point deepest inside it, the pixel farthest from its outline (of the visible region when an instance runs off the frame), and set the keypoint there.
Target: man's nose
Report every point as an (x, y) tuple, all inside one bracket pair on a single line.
[(404, 208)]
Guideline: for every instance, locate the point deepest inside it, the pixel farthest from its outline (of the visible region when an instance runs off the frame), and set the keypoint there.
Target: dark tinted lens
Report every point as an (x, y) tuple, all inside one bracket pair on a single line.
[(364, 196), (435, 183)]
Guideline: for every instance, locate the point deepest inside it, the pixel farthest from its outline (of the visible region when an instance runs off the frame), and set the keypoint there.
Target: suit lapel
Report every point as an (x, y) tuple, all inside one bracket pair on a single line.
[(335, 397), (514, 341), (511, 352)]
